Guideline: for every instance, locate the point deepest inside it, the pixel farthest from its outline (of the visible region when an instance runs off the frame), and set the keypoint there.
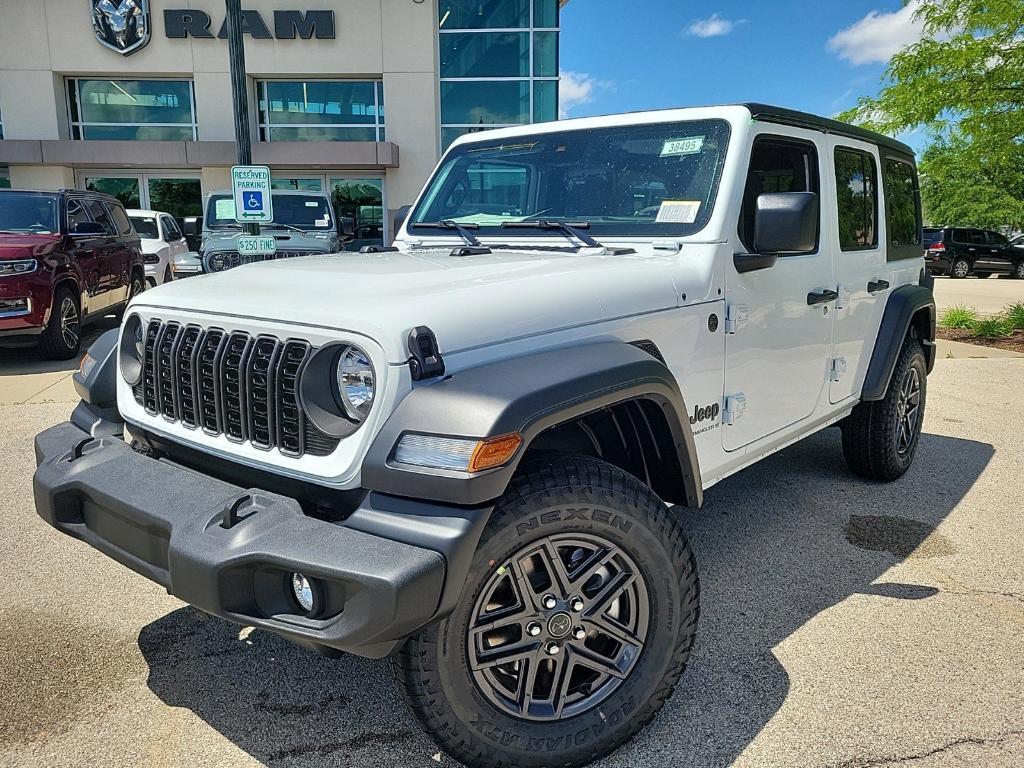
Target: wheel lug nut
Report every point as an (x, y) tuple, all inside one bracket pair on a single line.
[(533, 629), (553, 649), (580, 633), (549, 601), (576, 604)]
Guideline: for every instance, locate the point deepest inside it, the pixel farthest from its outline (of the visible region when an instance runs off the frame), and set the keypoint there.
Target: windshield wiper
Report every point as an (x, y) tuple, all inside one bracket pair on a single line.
[(449, 224), (569, 229), (274, 224)]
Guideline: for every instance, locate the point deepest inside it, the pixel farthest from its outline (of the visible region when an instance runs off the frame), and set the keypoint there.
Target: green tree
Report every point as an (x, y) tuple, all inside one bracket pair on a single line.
[(964, 83)]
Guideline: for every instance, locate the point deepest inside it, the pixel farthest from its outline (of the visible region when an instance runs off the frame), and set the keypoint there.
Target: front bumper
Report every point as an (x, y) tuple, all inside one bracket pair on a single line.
[(388, 569)]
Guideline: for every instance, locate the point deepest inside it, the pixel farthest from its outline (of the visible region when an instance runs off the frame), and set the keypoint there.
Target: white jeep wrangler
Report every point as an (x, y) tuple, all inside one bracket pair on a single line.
[(468, 450)]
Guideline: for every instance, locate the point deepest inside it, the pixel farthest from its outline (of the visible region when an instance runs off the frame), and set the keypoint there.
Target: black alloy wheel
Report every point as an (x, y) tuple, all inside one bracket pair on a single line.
[(558, 627), (908, 410)]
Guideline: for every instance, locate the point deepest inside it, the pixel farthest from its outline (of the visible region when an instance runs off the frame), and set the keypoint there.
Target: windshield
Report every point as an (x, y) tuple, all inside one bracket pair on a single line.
[(658, 179), (310, 212), (146, 227), (30, 212), (932, 236)]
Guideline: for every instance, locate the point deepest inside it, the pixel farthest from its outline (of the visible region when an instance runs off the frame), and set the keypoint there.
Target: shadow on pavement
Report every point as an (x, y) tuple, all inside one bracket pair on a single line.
[(18, 361), (776, 544)]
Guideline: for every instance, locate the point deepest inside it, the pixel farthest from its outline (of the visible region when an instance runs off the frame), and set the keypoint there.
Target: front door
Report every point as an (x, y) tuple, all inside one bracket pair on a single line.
[(86, 250), (860, 264), (779, 345)]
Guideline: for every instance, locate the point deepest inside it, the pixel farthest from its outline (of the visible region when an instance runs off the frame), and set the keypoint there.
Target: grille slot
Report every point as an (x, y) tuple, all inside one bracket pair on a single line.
[(232, 384)]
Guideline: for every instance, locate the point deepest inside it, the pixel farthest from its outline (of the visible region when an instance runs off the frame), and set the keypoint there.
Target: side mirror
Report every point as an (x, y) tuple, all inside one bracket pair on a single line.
[(88, 229), (347, 228), (786, 222), (400, 216), (190, 226)]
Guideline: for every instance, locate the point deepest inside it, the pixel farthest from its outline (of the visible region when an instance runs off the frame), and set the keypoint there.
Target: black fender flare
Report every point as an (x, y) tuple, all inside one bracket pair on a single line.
[(906, 304), (524, 395)]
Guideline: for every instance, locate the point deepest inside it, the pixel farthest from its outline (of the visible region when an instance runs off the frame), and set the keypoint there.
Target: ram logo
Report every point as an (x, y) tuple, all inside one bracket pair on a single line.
[(121, 25)]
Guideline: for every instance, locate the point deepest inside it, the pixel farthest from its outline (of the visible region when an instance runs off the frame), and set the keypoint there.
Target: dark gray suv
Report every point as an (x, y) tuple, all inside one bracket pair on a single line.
[(304, 224)]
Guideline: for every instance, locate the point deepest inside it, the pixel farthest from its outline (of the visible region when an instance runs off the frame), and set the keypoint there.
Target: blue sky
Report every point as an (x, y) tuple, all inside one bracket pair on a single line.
[(814, 55)]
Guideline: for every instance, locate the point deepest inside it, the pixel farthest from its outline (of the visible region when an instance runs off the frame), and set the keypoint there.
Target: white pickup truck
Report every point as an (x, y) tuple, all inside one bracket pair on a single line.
[(468, 450)]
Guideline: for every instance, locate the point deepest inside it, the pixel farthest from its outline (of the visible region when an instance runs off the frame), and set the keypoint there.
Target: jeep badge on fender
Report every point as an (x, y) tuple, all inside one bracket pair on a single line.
[(468, 450)]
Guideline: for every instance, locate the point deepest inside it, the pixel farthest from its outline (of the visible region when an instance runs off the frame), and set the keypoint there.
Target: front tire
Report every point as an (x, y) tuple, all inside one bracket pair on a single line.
[(62, 337), (1018, 270), (575, 623), (880, 437)]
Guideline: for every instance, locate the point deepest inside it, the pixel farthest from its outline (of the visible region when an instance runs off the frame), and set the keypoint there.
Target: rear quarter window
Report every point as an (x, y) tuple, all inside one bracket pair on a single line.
[(902, 209)]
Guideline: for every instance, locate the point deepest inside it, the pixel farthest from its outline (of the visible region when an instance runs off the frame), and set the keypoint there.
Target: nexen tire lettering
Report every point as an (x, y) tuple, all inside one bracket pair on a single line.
[(557, 516)]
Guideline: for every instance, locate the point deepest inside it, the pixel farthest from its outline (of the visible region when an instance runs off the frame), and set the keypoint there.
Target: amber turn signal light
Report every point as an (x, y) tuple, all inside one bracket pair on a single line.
[(494, 452)]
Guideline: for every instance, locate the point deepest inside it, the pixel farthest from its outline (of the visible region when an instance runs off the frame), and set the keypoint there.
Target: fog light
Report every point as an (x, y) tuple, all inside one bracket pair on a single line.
[(302, 591)]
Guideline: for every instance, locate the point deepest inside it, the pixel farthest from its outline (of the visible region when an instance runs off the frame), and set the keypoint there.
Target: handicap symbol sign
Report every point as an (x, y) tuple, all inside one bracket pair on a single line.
[(253, 200)]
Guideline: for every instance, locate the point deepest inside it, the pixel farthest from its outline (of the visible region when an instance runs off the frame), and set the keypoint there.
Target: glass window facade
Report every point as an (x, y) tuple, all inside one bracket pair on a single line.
[(498, 64), (132, 110), (321, 110)]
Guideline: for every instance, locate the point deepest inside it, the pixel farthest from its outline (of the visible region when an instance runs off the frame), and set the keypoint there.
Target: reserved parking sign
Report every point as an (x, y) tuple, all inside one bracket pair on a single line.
[(251, 187)]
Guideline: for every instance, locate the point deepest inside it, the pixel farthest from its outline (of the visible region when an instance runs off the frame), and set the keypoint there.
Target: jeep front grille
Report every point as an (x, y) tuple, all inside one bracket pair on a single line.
[(234, 259), (234, 384)]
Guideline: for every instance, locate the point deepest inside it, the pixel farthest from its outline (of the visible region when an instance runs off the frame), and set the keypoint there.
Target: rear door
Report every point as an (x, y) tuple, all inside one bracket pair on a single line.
[(107, 249), (860, 265), (124, 254), (777, 358)]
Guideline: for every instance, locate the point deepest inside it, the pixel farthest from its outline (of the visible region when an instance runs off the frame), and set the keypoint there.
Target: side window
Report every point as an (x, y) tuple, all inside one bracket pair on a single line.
[(777, 164), (902, 210), (76, 213), (99, 214), (994, 238), (961, 236), (171, 232), (977, 237), (120, 218), (857, 197)]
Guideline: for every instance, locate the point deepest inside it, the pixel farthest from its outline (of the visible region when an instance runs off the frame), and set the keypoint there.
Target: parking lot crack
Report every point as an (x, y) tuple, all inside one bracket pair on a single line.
[(980, 741)]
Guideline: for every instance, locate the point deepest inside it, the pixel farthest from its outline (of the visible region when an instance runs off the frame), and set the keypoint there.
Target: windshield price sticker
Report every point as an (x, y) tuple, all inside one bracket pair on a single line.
[(688, 146), (256, 246), (677, 211), (251, 187)]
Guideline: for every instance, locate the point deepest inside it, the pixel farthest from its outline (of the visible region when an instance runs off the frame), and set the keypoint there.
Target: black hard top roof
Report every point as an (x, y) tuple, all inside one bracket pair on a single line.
[(792, 117)]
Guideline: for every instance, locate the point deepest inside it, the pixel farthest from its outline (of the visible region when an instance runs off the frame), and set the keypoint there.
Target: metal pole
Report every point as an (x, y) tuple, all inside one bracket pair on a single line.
[(240, 97)]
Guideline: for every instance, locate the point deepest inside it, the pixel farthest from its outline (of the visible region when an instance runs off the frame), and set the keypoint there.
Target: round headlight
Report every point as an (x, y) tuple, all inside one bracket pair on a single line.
[(132, 349), (356, 384), (217, 262)]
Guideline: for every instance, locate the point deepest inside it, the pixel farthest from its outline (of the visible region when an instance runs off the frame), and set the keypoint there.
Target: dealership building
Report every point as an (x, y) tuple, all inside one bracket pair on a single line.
[(354, 97)]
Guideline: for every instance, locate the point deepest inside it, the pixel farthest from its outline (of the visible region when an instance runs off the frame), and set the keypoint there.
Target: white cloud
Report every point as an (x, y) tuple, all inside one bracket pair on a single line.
[(574, 89), (713, 26), (877, 36)]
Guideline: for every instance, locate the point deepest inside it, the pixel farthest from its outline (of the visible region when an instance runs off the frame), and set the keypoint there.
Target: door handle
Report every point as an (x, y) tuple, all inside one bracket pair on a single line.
[(878, 285), (821, 297)]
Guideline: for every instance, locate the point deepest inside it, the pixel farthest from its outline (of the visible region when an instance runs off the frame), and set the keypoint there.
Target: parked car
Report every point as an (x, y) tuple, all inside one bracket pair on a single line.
[(963, 251), (304, 224), (66, 259), (162, 242), (468, 449)]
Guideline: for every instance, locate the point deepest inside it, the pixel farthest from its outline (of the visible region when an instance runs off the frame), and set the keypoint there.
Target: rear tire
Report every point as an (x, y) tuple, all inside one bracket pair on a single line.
[(880, 437), (960, 268), (167, 275), (599, 529), (62, 337), (1018, 270)]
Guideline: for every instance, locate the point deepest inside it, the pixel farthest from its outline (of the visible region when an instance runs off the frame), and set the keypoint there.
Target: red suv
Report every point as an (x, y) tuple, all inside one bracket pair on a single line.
[(66, 258)]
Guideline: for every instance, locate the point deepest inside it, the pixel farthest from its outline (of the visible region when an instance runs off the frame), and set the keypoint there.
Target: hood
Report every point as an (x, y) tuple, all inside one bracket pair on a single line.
[(26, 246), (468, 301)]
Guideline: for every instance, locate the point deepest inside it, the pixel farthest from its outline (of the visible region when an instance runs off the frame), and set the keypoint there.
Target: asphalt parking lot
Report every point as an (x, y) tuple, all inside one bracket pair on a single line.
[(988, 296), (844, 624)]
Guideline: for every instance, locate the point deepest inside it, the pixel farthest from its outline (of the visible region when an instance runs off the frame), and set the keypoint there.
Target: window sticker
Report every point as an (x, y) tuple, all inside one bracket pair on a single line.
[(320, 222), (677, 211), (312, 204), (225, 208), (691, 145)]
